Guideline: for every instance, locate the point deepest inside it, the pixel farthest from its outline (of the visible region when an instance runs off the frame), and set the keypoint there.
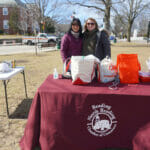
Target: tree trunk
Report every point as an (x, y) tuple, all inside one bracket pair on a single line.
[(129, 31), (129, 34), (107, 16)]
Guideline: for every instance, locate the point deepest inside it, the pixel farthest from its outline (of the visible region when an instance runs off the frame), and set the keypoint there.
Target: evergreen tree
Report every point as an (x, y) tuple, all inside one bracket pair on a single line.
[(49, 25), (14, 20)]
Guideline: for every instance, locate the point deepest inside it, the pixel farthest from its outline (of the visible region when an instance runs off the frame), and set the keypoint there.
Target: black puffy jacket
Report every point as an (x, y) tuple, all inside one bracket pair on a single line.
[(102, 48)]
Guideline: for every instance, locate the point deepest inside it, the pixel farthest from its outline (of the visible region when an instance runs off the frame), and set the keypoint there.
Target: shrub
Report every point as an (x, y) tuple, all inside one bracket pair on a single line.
[(1, 32)]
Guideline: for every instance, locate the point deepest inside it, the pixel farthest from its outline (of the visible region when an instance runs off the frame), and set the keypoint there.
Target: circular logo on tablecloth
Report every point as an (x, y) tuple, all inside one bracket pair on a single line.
[(102, 121)]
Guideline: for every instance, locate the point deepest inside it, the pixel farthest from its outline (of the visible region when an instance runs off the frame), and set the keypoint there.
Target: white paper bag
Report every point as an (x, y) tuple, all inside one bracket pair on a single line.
[(83, 68)]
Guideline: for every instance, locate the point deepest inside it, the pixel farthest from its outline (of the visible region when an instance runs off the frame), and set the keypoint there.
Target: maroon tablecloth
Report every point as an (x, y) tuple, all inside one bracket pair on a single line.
[(141, 141), (71, 117)]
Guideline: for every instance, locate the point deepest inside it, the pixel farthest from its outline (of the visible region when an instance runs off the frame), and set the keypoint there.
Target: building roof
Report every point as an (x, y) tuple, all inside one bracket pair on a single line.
[(6, 3)]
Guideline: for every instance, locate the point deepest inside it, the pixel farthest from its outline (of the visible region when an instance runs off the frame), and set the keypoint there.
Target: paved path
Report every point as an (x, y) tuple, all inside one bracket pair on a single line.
[(15, 49)]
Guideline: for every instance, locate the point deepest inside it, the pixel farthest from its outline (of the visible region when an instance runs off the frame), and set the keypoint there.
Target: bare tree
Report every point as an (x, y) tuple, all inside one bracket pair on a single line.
[(37, 12), (40, 9), (23, 20), (101, 6), (143, 24), (131, 9), (120, 26), (62, 28)]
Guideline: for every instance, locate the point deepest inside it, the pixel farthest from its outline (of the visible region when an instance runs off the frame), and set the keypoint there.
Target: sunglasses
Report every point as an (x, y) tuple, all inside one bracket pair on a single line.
[(92, 24)]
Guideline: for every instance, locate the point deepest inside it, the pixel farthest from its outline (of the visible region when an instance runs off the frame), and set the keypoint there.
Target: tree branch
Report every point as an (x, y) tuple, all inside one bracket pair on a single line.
[(84, 5)]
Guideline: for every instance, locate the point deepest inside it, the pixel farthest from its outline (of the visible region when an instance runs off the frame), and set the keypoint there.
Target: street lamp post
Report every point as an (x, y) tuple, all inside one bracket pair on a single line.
[(148, 32)]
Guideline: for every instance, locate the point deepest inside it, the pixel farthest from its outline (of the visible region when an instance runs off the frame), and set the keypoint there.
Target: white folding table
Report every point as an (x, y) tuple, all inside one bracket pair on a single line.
[(4, 76)]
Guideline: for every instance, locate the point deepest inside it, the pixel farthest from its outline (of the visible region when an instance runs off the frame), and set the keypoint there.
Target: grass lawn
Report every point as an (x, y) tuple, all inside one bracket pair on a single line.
[(37, 68)]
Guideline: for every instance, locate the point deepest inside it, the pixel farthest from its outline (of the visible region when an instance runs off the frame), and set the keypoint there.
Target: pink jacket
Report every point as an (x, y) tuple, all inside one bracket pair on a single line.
[(70, 46)]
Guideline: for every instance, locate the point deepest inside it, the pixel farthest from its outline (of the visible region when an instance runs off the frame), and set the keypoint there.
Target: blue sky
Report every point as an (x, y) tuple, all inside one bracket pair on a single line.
[(85, 13), (65, 12), (80, 12)]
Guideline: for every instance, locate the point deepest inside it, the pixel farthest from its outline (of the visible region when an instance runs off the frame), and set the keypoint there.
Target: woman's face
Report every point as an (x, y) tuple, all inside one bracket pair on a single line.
[(90, 25), (75, 27)]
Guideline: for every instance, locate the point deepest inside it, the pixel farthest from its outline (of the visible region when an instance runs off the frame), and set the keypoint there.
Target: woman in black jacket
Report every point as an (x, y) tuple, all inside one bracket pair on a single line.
[(94, 41)]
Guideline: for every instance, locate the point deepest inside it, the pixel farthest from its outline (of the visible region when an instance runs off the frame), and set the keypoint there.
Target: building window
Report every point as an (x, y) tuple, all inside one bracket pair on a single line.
[(5, 11), (5, 24)]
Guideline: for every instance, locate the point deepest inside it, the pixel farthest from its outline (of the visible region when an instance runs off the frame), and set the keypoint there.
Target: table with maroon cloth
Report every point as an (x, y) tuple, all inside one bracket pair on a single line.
[(90, 117)]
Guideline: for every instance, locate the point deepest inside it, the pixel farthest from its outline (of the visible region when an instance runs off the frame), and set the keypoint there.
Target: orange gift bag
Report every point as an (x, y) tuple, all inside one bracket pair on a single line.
[(128, 68)]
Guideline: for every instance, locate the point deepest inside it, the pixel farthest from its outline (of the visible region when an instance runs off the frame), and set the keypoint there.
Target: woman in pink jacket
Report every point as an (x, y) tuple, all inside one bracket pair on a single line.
[(71, 43)]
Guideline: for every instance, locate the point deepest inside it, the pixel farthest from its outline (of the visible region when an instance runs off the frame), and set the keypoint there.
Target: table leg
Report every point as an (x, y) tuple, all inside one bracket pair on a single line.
[(5, 88), (25, 83)]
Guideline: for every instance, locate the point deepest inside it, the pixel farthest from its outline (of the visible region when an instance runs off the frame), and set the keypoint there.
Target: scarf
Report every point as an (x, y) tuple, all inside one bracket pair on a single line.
[(75, 34)]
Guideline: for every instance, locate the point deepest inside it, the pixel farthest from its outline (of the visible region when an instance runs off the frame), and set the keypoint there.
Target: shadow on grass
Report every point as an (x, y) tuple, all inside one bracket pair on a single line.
[(22, 110)]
